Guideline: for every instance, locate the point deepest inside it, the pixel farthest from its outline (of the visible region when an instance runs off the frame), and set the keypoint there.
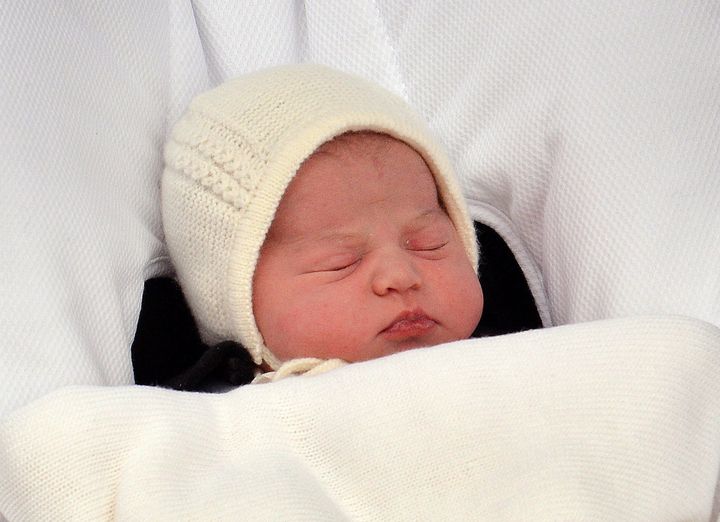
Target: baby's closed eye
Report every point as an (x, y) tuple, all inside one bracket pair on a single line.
[(427, 245), (429, 241), (335, 263)]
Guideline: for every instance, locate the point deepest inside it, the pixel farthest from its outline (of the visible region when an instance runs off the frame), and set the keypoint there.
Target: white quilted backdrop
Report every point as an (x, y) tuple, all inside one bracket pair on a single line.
[(587, 133), (83, 102)]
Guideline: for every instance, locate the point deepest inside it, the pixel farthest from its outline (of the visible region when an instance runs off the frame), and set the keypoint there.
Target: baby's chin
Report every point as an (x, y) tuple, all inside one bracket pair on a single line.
[(383, 349), (382, 345)]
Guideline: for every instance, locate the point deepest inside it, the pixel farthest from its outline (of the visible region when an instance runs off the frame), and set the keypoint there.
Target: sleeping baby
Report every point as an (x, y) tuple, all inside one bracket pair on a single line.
[(312, 218)]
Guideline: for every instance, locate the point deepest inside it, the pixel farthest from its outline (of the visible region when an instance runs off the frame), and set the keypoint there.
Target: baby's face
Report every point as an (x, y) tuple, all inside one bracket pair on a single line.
[(361, 260)]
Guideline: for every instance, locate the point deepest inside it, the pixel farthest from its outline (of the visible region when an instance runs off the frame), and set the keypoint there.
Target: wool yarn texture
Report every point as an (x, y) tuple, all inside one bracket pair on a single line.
[(231, 157)]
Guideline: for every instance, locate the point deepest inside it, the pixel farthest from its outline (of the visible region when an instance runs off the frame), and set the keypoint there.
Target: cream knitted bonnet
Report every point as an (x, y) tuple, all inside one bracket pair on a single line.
[(232, 155)]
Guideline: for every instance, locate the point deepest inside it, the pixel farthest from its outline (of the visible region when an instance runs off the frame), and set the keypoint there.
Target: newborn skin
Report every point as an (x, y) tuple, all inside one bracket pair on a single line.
[(361, 260)]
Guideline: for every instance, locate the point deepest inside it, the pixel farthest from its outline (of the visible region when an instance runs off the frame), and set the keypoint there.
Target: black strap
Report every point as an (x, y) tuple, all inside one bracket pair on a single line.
[(227, 362)]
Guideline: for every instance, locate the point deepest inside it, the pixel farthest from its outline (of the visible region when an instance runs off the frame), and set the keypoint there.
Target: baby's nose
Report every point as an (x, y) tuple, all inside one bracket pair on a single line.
[(395, 272)]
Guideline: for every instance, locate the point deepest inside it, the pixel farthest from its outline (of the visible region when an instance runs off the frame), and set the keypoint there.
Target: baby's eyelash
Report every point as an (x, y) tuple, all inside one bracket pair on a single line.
[(337, 267), (437, 247), (429, 248), (341, 268)]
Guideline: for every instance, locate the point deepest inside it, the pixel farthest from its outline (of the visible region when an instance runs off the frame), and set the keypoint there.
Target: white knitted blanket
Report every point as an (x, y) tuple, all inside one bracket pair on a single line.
[(613, 420)]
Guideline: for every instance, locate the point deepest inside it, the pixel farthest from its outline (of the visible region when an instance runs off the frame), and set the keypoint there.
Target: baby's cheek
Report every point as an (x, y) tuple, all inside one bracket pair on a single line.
[(286, 339), (474, 306), (305, 327), (464, 298)]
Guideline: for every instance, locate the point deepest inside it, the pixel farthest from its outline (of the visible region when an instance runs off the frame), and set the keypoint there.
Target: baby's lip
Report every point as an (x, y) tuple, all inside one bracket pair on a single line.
[(408, 324)]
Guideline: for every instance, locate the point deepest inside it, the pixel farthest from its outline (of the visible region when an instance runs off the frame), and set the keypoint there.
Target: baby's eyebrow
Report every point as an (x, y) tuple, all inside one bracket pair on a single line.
[(337, 238), (321, 240), (437, 211), (428, 216), (354, 239)]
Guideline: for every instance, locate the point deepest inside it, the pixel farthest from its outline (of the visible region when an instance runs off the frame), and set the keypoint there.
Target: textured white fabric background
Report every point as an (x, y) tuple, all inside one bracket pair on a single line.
[(83, 103), (586, 132)]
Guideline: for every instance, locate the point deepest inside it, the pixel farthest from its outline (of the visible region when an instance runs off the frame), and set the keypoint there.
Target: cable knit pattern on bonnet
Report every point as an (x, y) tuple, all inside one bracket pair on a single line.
[(232, 155)]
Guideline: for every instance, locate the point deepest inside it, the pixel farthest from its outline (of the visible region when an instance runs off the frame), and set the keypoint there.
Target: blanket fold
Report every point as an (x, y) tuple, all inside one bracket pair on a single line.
[(611, 420)]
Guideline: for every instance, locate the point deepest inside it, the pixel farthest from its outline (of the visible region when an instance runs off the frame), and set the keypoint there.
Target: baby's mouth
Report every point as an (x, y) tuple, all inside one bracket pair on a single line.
[(409, 324)]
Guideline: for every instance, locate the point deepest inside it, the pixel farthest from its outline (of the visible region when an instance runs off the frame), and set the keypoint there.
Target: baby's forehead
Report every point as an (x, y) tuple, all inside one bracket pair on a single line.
[(351, 174), (366, 158), (358, 142), (379, 157)]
